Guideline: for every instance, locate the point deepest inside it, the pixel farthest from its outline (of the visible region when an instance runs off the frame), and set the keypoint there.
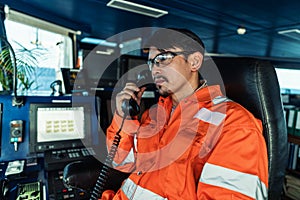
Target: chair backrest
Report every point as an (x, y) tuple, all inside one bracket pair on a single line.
[(253, 83)]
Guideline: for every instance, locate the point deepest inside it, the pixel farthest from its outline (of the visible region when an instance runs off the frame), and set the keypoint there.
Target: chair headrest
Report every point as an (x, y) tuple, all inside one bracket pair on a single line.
[(251, 82)]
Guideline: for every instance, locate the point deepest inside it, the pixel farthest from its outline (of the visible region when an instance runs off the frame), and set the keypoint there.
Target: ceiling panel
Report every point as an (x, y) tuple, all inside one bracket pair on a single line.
[(215, 21)]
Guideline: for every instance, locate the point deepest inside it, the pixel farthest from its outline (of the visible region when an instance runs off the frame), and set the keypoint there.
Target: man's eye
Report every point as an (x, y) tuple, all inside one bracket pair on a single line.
[(163, 57)]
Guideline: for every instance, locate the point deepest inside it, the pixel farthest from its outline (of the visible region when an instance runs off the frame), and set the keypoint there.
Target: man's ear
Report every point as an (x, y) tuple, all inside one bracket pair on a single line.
[(195, 60)]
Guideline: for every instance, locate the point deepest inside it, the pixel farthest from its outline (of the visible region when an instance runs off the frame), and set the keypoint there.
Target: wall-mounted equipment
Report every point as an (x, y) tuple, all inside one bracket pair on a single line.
[(16, 132)]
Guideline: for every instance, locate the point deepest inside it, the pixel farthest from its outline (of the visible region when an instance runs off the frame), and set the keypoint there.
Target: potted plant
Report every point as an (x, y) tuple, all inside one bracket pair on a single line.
[(26, 60)]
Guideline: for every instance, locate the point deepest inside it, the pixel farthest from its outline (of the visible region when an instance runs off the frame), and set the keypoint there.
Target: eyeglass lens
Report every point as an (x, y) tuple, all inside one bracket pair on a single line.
[(161, 59)]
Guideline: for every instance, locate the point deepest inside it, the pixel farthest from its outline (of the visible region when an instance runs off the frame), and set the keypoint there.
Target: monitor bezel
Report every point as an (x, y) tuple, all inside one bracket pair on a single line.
[(41, 147)]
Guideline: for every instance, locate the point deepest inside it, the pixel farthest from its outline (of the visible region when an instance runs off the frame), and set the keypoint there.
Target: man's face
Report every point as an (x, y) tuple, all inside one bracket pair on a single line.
[(173, 77)]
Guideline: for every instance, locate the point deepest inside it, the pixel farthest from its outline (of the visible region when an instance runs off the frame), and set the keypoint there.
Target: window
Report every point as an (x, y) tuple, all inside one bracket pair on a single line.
[(45, 46), (289, 81)]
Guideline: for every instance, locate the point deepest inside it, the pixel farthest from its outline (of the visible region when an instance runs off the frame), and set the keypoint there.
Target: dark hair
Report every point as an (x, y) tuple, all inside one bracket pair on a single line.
[(176, 37)]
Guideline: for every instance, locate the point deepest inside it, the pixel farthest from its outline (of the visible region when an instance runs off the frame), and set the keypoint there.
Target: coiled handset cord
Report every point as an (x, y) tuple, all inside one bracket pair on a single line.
[(104, 173)]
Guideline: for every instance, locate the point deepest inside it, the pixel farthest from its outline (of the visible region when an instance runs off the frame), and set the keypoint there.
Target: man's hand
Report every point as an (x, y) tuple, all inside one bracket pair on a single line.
[(130, 91)]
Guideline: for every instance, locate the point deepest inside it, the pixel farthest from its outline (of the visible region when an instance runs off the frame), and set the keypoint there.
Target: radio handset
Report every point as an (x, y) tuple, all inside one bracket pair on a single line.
[(130, 107)]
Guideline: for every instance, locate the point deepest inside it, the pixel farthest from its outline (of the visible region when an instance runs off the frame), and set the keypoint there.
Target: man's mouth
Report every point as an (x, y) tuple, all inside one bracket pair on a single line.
[(159, 80)]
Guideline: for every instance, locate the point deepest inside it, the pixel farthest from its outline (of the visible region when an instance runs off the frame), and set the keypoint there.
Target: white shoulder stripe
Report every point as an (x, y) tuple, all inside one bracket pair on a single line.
[(220, 99), (209, 116), (247, 184)]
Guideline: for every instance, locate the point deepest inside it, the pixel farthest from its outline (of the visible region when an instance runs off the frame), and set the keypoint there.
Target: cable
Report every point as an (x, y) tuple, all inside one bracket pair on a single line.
[(104, 173)]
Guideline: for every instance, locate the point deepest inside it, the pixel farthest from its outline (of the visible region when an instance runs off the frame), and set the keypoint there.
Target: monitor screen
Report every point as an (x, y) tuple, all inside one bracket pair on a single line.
[(58, 126), (132, 66), (100, 70)]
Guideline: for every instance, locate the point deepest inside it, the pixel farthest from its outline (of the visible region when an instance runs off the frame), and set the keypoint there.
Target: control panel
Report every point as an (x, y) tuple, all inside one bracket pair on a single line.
[(55, 161), (58, 191), (58, 159)]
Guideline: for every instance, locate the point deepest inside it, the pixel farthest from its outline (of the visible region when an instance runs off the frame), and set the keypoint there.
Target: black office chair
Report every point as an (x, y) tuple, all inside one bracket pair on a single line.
[(253, 83), (250, 82)]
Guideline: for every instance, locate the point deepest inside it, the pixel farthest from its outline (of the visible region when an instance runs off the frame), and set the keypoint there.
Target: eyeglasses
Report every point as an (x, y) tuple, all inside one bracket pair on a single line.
[(165, 58)]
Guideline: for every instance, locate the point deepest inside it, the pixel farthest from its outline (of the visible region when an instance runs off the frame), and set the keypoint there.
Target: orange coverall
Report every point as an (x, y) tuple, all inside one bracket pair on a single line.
[(208, 147)]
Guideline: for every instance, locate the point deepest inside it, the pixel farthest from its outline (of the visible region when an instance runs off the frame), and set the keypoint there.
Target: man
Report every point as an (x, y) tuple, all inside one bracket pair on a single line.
[(195, 143)]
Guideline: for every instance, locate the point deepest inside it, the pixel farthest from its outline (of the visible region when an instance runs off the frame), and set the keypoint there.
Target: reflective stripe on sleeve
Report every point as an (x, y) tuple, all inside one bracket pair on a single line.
[(220, 99), (247, 184), (136, 192), (129, 159), (209, 116)]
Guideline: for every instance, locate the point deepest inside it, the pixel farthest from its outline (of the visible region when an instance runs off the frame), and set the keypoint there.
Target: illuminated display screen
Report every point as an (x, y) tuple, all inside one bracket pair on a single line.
[(58, 126), (60, 123)]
